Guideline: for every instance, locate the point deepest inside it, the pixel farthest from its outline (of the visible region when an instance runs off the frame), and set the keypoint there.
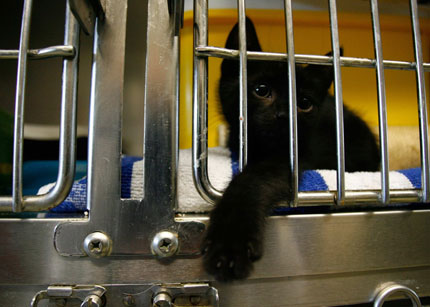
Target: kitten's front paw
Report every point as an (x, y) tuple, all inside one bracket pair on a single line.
[(229, 256)]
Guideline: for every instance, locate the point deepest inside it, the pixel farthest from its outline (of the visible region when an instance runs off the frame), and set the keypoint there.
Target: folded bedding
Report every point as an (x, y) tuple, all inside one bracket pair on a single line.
[(221, 168)]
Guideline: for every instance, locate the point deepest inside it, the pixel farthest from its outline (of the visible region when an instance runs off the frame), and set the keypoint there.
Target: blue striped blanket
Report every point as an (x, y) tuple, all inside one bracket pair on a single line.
[(221, 169)]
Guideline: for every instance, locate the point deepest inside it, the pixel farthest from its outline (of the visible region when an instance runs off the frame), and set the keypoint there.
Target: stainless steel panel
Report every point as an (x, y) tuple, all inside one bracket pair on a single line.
[(309, 260), (137, 219)]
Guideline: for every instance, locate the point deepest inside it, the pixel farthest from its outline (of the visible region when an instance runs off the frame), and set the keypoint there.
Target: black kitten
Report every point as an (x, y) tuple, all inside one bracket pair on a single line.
[(235, 235)]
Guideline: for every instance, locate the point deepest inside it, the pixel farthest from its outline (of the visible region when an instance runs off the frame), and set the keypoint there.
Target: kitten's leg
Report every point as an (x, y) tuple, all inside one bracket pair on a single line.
[(234, 237)]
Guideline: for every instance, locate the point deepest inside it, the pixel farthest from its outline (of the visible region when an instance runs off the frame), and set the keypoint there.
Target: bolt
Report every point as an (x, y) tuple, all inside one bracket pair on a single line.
[(129, 300), (97, 245), (165, 244), (162, 300), (92, 301)]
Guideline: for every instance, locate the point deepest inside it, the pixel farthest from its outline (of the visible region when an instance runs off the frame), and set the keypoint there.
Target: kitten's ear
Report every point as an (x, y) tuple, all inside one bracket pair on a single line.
[(230, 68), (252, 43), (321, 75)]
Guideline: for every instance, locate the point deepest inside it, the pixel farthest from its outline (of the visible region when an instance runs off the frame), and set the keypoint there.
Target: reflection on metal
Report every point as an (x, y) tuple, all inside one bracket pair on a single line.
[(292, 95), (86, 12), (67, 125), (189, 294), (200, 107), (165, 244), (43, 53), (394, 289), (18, 140), (224, 53), (382, 106), (340, 148), (243, 87), (422, 104), (89, 295), (97, 245), (137, 219)]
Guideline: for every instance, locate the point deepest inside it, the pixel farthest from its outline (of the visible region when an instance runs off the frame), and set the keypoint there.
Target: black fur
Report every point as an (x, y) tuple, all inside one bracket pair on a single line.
[(235, 234)]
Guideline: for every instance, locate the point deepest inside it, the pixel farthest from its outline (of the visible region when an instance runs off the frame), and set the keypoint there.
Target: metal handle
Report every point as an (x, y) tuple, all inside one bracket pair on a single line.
[(396, 289)]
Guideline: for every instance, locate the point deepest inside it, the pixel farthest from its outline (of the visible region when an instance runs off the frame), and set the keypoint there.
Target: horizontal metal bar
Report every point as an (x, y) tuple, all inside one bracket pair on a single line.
[(369, 197), (209, 51), (43, 53)]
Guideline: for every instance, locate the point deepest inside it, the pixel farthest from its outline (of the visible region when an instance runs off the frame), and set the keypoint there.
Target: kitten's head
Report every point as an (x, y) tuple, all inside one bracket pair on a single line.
[(268, 108)]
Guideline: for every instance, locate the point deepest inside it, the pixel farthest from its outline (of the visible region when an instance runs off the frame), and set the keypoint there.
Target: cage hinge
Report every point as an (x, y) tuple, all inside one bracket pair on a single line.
[(192, 294), (89, 295)]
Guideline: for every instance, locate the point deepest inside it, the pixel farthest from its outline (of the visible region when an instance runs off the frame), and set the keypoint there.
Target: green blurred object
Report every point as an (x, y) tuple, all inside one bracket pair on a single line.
[(6, 151)]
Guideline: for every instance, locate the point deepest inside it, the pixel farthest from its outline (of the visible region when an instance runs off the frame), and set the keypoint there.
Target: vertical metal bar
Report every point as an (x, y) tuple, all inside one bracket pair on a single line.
[(339, 103), (288, 11), (19, 107), (200, 108), (382, 107), (243, 87), (160, 111), (422, 104), (106, 99)]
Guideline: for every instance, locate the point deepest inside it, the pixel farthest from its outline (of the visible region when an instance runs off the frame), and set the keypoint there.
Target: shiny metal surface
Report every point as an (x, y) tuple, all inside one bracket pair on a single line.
[(391, 289), (89, 295), (355, 252), (206, 51), (243, 86), (319, 259), (292, 96), (200, 108), (42, 53), (133, 218), (18, 140), (165, 244), (97, 245), (86, 12), (67, 135), (382, 107), (340, 148), (422, 104)]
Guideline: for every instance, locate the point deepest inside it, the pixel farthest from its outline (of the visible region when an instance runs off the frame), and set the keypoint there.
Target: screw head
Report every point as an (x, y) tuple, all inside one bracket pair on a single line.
[(97, 245), (165, 244)]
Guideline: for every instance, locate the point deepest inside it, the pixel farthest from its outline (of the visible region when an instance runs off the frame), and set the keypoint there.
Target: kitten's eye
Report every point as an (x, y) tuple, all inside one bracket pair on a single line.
[(304, 105), (262, 91)]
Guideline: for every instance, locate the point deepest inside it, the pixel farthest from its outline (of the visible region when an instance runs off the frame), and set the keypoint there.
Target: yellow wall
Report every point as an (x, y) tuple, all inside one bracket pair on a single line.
[(312, 36)]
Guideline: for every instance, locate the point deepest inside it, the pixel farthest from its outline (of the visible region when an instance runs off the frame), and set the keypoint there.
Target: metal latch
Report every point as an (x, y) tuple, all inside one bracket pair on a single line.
[(90, 295), (177, 295)]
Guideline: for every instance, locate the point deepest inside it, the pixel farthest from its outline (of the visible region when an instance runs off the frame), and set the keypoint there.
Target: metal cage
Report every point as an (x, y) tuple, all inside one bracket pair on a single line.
[(142, 252)]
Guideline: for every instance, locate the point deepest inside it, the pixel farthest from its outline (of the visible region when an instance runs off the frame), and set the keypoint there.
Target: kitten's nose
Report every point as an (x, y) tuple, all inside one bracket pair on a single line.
[(282, 114)]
